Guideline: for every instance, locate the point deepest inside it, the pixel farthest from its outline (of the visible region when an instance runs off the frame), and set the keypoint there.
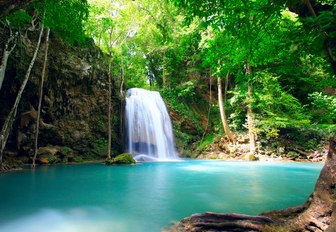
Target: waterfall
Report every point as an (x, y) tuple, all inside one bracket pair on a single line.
[(149, 134)]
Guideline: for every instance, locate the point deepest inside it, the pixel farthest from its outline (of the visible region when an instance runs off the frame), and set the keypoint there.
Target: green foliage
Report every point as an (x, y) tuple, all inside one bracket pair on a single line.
[(66, 149), (159, 52), (309, 137), (322, 108), (19, 19), (206, 141), (65, 18), (275, 108), (186, 90), (100, 146), (182, 105)]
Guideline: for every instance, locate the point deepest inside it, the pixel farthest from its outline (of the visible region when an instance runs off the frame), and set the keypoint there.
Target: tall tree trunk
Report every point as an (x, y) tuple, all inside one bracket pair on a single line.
[(121, 128), (11, 117), (122, 73), (222, 112), (250, 117), (6, 53), (209, 109), (109, 142), (41, 94)]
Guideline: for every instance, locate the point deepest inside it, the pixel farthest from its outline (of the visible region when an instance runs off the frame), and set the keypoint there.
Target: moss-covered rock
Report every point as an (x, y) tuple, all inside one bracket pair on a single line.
[(125, 158), (250, 157)]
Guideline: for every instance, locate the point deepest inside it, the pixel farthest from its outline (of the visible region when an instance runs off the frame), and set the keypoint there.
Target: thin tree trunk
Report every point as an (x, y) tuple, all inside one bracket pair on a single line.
[(11, 117), (250, 113), (109, 112), (109, 140), (210, 103), (250, 121), (122, 96), (122, 73), (222, 112), (41, 94), (5, 56)]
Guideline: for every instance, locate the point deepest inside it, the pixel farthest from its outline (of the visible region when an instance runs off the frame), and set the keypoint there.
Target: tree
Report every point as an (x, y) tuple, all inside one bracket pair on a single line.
[(9, 47), (11, 117), (66, 19), (246, 28), (41, 94), (110, 36), (222, 111), (12, 24), (250, 29)]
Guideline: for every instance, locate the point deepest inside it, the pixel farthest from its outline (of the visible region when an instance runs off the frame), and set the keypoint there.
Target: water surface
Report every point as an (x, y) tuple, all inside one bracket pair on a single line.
[(148, 196)]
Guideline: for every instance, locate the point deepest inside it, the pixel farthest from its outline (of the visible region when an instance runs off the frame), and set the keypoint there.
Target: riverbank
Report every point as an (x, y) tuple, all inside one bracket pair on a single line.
[(277, 150)]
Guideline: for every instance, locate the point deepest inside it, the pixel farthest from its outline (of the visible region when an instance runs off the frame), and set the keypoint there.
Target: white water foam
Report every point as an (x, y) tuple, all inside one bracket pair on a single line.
[(148, 127)]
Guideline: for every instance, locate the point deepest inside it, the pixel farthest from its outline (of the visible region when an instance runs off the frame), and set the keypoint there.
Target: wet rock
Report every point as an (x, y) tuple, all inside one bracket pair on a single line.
[(250, 157), (125, 158)]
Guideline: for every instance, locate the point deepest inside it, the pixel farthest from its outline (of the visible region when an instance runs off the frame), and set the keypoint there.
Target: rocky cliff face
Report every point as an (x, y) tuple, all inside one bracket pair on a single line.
[(74, 107)]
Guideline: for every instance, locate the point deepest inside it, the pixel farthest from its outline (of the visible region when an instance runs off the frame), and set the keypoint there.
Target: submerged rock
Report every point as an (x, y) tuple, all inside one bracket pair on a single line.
[(125, 158)]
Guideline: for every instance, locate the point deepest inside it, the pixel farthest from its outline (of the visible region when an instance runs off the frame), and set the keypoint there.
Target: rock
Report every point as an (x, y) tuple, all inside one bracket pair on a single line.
[(319, 211), (46, 159), (43, 160), (52, 150), (293, 155), (250, 157), (125, 158), (54, 154), (281, 150), (74, 102)]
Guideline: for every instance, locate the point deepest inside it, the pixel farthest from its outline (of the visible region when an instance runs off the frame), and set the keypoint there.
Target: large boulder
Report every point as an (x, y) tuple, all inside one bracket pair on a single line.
[(125, 158)]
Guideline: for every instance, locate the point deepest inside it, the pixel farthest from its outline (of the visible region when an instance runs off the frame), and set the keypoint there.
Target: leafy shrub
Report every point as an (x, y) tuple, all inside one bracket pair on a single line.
[(322, 108)]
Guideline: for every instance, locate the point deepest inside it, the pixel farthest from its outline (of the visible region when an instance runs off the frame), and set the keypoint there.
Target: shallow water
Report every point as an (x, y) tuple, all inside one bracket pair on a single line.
[(148, 196)]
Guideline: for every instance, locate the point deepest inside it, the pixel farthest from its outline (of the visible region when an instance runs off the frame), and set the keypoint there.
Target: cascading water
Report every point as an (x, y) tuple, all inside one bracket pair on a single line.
[(148, 126)]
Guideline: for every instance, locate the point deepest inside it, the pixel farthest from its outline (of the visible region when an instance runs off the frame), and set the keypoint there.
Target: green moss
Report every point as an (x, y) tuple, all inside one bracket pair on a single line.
[(250, 157), (206, 141), (100, 147), (125, 158)]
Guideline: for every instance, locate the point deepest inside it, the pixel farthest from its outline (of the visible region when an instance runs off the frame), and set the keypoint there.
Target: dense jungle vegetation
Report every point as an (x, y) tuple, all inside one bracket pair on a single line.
[(254, 78), (272, 65), (258, 68)]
